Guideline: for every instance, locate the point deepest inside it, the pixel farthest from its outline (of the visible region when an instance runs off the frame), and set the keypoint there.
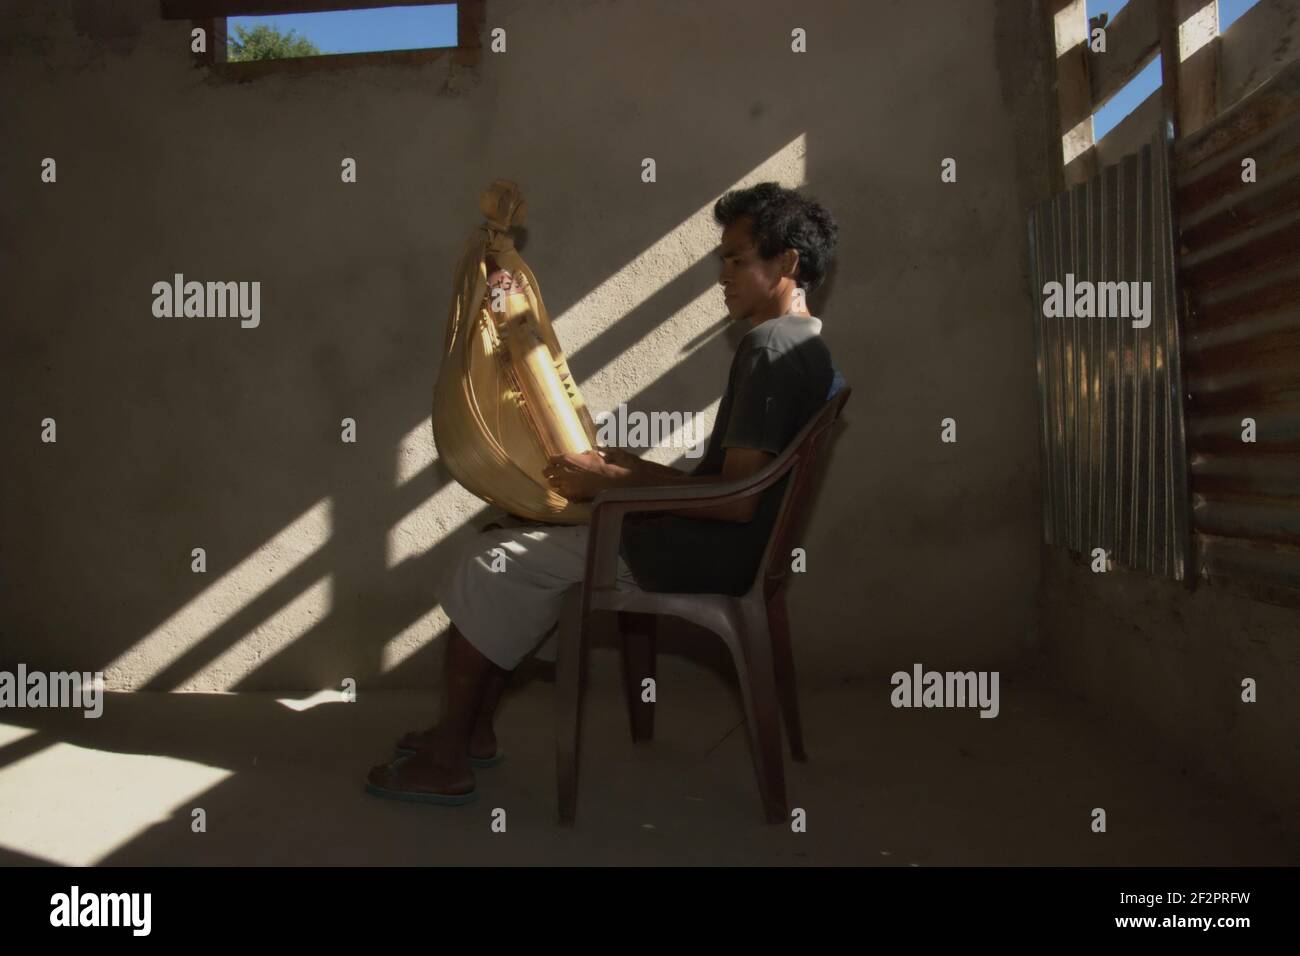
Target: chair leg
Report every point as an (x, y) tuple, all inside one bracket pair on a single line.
[(570, 654), (762, 715), (783, 657), (638, 633)]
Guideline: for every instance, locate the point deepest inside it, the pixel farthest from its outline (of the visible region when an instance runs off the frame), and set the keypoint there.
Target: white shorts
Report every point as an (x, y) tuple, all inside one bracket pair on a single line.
[(505, 591)]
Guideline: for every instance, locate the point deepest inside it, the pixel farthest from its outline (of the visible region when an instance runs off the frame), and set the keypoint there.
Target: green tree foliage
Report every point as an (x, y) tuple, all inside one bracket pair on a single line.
[(267, 43)]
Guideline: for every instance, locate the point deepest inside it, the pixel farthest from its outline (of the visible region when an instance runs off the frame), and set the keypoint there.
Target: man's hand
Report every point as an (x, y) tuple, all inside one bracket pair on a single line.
[(582, 476), (579, 476), (621, 457), (629, 468)]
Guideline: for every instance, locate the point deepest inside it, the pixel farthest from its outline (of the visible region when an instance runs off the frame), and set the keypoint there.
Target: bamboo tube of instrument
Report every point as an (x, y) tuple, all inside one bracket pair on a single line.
[(544, 395)]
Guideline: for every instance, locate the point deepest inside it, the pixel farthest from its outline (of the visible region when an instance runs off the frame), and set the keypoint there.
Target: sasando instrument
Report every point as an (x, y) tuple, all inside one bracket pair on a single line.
[(505, 400)]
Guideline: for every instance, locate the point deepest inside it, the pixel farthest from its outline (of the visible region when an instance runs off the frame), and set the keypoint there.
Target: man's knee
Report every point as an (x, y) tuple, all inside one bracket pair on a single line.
[(492, 546)]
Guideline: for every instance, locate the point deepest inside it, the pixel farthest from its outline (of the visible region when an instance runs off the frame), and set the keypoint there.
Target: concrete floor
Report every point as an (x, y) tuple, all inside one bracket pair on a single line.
[(882, 786)]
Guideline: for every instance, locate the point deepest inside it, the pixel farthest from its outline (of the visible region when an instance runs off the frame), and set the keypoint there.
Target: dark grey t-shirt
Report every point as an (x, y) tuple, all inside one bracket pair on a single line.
[(781, 374)]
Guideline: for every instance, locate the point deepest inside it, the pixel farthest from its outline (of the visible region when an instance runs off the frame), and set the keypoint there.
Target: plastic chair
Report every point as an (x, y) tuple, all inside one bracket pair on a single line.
[(754, 626)]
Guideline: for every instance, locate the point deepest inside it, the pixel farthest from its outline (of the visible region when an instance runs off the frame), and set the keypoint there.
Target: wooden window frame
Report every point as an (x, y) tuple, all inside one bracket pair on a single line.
[(211, 15), (1085, 81)]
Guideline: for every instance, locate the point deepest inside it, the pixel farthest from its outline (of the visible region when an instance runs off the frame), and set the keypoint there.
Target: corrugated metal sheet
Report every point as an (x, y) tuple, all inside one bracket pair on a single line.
[(1240, 265), (1111, 422)]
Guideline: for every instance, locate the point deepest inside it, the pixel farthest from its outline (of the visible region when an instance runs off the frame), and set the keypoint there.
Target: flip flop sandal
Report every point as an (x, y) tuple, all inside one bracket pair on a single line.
[(478, 763), (421, 796)]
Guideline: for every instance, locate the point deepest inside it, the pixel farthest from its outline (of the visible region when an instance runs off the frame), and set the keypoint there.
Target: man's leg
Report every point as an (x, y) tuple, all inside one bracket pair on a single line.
[(506, 608), (442, 765), (482, 738)]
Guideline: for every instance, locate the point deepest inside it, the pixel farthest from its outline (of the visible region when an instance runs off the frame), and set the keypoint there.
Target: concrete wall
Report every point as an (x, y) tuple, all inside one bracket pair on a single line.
[(182, 433), (1169, 663)]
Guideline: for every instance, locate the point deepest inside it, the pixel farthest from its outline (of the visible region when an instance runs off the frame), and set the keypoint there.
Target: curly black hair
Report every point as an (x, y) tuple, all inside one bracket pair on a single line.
[(784, 219)]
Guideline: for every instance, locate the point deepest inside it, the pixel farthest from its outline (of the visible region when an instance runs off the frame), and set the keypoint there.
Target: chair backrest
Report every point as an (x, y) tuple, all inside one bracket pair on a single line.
[(803, 458)]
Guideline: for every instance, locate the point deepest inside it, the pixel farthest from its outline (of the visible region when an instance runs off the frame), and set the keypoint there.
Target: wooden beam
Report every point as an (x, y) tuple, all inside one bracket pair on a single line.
[(1198, 76), (1073, 92), (215, 27), (470, 17), (1189, 62), (1132, 41), (221, 41), (204, 9), (246, 70), (1083, 167), (1041, 12), (1167, 28)]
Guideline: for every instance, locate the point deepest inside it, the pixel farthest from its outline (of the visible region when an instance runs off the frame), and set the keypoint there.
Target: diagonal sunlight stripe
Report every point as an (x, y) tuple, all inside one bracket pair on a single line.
[(1197, 30), (269, 638), (431, 626), (415, 452), (681, 438), (675, 252), (430, 522), (75, 806), (10, 734), (1070, 25), (221, 600), (665, 346), (1078, 140)]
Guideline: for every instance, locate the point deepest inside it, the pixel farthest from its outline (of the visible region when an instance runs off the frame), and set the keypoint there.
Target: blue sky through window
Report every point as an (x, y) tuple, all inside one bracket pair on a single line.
[(362, 31), (1148, 80)]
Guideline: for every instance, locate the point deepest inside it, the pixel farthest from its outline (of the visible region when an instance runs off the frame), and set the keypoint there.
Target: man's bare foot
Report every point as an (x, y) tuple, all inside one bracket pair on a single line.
[(424, 772), (482, 743)]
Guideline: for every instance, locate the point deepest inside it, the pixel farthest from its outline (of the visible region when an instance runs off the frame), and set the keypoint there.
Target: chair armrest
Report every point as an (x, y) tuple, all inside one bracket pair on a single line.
[(690, 494), (610, 506)]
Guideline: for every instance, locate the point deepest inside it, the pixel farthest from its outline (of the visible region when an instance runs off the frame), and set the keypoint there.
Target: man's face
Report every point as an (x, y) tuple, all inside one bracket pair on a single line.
[(751, 285)]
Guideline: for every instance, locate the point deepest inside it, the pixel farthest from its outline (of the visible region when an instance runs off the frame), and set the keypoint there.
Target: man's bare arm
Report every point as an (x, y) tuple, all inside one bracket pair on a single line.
[(650, 472), (625, 470)]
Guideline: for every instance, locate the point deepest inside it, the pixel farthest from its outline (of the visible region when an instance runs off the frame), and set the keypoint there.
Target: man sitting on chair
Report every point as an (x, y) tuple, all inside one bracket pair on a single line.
[(777, 245)]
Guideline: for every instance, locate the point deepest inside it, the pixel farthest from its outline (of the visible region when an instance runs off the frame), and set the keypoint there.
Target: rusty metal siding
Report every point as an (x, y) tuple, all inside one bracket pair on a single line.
[(1110, 395), (1240, 266)]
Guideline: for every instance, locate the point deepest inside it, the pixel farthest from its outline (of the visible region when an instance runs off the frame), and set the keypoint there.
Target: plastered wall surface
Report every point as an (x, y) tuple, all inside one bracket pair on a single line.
[(323, 556), (1170, 663)]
